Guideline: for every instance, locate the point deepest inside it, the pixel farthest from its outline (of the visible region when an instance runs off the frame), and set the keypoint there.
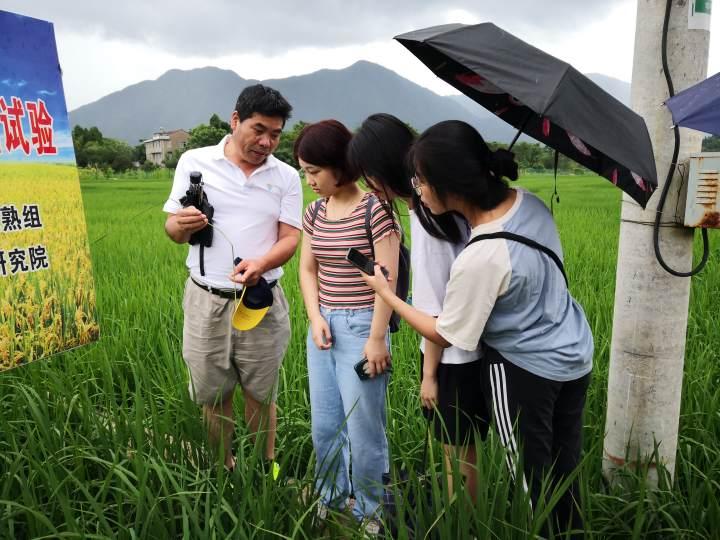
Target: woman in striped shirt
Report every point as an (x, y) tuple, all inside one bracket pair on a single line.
[(347, 323)]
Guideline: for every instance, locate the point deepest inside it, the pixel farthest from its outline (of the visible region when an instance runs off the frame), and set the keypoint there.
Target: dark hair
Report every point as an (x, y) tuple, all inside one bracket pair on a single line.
[(454, 159), (379, 150), (262, 100), (325, 144)]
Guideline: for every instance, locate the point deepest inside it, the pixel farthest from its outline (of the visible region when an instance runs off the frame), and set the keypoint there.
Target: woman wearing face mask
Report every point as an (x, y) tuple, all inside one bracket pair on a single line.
[(449, 392), (513, 298), (348, 322)]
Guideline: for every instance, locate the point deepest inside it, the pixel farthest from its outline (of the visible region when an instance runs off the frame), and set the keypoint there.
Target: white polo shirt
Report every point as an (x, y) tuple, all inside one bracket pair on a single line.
[(247, 209)]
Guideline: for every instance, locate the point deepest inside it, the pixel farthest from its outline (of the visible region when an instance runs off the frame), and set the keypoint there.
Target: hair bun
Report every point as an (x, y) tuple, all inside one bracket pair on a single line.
[(502, 164)]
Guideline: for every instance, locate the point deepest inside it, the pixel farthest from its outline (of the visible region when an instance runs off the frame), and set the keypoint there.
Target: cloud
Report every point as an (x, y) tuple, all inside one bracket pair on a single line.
[(46, 93), (62, 139), (13, 83), (224, 27)]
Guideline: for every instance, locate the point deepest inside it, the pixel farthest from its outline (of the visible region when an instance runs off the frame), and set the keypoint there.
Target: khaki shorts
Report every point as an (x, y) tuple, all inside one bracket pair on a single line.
[(218, 357)]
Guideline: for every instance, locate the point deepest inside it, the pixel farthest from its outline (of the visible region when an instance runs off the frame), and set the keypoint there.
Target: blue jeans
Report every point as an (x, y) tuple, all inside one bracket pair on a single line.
[(348, 415)]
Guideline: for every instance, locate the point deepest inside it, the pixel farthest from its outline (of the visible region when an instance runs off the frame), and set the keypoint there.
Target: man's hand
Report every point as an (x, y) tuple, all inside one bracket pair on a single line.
[(190, 220), (248, 272), (378, 356), (181, 225)]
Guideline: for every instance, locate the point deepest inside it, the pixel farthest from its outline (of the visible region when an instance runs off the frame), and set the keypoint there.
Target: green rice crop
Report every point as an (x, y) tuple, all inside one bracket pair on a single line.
[(103, 441)]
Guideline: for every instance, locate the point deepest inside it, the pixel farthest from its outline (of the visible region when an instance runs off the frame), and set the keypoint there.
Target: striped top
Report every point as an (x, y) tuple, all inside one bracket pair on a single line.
[(339, 282)]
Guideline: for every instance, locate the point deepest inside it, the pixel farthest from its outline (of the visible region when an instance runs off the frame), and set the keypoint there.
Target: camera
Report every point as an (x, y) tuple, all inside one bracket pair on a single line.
[(196, 196), (194, 193)]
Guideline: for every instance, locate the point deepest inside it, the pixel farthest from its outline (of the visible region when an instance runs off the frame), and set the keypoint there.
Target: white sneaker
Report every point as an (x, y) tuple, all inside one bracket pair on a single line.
[(322, 511), (372, 528)]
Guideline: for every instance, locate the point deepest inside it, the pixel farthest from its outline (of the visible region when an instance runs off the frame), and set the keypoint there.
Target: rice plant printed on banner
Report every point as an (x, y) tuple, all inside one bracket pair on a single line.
[(47, 297)]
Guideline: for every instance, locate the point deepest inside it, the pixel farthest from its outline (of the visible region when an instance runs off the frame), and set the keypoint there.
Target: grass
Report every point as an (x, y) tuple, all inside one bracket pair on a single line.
[(103, 442)]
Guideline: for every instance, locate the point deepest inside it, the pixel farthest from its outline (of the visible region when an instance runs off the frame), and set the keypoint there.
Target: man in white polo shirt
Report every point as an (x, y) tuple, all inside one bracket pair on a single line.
[(257, 202)]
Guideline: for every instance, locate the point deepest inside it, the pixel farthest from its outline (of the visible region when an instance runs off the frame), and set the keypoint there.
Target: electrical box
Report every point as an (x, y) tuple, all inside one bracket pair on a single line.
[(702, 206)]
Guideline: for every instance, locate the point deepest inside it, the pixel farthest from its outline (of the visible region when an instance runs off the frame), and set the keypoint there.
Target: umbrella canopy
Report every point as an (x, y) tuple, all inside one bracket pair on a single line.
[(698, 107), (544, 97)]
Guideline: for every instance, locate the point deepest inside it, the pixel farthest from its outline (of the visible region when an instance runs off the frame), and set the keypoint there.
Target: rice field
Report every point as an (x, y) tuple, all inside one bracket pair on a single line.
[(103, 441)]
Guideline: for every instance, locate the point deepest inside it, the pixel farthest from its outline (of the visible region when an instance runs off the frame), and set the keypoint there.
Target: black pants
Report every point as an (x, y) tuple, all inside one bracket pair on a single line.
[(461, 409), (543, 419)]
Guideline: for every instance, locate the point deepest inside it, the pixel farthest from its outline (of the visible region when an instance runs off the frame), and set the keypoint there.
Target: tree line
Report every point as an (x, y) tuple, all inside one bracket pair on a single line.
[(92, 149)]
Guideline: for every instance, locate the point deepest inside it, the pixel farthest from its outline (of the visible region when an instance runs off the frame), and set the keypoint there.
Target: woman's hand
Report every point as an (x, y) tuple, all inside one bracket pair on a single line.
[(378, 282), (377, 354), (320, 331), (429, 391)]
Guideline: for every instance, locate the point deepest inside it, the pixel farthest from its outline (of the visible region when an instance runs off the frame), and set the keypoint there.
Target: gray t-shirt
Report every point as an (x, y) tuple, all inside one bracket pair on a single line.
[(514, 298)]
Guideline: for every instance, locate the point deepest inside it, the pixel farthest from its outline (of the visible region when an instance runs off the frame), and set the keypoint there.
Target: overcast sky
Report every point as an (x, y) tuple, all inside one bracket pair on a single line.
[(106, 46)]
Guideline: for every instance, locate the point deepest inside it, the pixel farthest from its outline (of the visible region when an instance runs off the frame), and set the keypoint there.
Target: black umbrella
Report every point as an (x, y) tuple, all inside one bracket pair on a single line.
[(544, 97)]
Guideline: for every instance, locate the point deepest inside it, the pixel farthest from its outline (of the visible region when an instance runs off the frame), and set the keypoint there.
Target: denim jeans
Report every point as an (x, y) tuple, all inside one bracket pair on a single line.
[(348, 415)]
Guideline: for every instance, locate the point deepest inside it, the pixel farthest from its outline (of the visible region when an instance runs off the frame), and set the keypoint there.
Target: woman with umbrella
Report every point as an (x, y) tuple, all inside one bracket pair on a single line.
[(511, 296), (448, 390)]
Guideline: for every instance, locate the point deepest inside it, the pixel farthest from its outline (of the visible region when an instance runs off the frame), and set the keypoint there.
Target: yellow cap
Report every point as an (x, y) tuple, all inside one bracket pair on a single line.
[(247, 318)]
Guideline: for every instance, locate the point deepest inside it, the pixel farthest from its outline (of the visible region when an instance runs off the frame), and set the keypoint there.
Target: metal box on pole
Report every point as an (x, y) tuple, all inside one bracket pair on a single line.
[(702, 204)]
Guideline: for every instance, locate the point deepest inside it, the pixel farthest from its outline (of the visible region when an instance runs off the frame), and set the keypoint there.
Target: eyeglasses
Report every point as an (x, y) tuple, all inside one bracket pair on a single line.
[(416, 185)]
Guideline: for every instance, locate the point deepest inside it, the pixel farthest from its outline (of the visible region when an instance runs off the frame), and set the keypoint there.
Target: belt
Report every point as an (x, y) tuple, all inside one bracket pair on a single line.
[(230, 294)]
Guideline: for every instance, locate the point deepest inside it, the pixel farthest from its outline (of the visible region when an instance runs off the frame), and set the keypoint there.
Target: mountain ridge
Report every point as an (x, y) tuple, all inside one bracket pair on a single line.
[(185, 98)]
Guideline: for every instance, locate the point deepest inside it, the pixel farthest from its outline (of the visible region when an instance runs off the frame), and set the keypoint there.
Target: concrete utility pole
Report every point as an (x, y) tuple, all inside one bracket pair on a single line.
[(651, 306)]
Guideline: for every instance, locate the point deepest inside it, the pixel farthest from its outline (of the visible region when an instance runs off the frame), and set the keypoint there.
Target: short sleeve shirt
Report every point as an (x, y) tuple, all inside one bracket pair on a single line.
[(431, 260), (248, 209), (514, 298), (340, 285)]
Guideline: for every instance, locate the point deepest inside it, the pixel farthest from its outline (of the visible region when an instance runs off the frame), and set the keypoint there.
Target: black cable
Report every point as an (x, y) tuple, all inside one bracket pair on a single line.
[(671, 171)]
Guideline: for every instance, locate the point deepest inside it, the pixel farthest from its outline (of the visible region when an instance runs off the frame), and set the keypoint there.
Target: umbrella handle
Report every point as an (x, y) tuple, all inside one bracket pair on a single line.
[(522, 128)]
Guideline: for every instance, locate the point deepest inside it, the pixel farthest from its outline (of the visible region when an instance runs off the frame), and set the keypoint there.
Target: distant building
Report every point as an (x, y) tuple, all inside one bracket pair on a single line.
[(164, 143)]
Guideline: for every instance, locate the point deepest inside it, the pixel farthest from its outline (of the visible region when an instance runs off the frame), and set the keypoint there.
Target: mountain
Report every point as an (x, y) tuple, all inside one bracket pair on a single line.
[(184, 99), (620, 90), (177, 99)]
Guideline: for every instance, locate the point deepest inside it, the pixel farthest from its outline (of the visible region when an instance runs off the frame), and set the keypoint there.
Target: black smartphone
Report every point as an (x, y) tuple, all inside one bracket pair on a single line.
[(360, 370), (362, 374), (365, 264)]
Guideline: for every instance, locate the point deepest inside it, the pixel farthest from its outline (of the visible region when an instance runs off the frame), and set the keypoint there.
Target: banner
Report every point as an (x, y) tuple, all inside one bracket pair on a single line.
[(47, 296)]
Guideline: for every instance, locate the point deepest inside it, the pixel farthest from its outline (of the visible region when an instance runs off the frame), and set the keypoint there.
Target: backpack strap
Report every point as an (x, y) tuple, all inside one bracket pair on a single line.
[(315, 211), (523, 240), (368, 225)]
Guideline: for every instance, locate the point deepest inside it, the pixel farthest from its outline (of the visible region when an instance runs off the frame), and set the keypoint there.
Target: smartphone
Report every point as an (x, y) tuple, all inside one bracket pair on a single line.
[(362, 374), (365, 264)]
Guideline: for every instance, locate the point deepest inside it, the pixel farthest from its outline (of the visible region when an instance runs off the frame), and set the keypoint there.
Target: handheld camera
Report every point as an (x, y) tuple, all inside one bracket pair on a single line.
[(194, 195)]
